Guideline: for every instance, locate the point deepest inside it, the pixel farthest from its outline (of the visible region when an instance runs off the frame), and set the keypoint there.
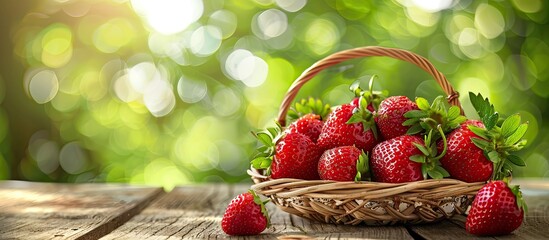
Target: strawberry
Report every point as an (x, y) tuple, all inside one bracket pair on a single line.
[(345, 163), (496, 210), (245, 215), (406, 158), (296, 157), (390, 116), (310, 125), (478, 151), (306, 117), (463, 160), (287, 155), (346, 126)]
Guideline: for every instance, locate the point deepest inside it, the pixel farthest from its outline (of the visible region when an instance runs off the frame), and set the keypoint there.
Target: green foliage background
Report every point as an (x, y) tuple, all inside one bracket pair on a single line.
[(98, 91)]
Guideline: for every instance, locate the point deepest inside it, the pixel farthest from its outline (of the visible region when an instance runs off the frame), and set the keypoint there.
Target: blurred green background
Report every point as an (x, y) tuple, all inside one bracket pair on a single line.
[(166, 92)]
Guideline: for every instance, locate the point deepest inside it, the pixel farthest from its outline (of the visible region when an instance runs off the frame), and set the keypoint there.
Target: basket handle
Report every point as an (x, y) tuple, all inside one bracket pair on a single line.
[(370, 51)]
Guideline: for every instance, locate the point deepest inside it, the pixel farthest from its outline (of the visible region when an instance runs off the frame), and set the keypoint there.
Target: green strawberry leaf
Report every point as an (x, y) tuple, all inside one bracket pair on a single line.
[(264, 138), (482, 144), (443, 171), (362, 167), (416, 114), (422, 148), (415, 129), (481, 132), (490, 121), (273, 131), (510, 125), (517, 135), (494, 156), (482, 105), (422, 103), (418, 158), (262, 162), (410, 122), (453, 112), (518, 194), (516, 160), (434, 174)]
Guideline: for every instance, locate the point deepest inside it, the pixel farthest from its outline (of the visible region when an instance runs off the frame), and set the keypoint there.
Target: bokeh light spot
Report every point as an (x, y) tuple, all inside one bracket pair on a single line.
[(528, 6), (169, 16), (225, 20), (113, 35), (432, 6), (56, 46), (489, 21), (321, 36), (159, 97), (205, 41), (291, 5), (225, 102), (191, 88), (270, 23), (244, 66), (43, 86), (72, 158)]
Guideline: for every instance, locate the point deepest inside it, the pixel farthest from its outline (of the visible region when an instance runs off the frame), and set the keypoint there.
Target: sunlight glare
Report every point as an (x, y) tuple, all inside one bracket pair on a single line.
[(169, 16)]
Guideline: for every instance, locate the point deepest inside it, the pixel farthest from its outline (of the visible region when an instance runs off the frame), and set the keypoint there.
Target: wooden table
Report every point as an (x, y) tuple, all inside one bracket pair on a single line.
[(114, 211)]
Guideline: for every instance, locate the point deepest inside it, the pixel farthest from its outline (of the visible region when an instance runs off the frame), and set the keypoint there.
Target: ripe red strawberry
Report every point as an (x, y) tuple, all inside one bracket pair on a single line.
[(496, 210), (390, 160), (310, 125), (338, 131), (345, 163), (245, 215), (296, 156), (463, 160), (287, 155), (390, 116), (407, 158)]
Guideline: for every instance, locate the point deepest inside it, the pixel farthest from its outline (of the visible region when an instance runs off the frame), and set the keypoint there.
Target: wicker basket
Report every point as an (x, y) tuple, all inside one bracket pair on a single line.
[(372, 203)]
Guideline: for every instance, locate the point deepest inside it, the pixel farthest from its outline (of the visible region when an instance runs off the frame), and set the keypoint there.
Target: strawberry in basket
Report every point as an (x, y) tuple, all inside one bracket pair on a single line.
[(408, 157), (482, 150), (353, 124), (293, 153)]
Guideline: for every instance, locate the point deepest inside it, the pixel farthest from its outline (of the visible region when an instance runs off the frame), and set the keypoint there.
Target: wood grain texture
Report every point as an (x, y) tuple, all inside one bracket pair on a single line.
[(196, 212), (65, 211)]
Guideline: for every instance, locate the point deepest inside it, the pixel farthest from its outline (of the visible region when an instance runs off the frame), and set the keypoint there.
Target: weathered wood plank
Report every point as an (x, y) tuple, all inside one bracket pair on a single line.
[(196, 212), (64, 211)]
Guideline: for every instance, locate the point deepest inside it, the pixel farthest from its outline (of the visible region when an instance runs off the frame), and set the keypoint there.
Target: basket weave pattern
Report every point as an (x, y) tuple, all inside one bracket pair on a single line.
[(372, 203)]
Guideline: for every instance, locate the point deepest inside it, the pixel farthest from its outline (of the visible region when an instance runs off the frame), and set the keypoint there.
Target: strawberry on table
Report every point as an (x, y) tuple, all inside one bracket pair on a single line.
[(496, 210), (346, 163), (390, 116), (245, 215)]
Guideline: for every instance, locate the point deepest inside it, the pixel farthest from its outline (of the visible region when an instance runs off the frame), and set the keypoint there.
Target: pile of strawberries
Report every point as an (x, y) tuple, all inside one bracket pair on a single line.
[(394, 140)]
